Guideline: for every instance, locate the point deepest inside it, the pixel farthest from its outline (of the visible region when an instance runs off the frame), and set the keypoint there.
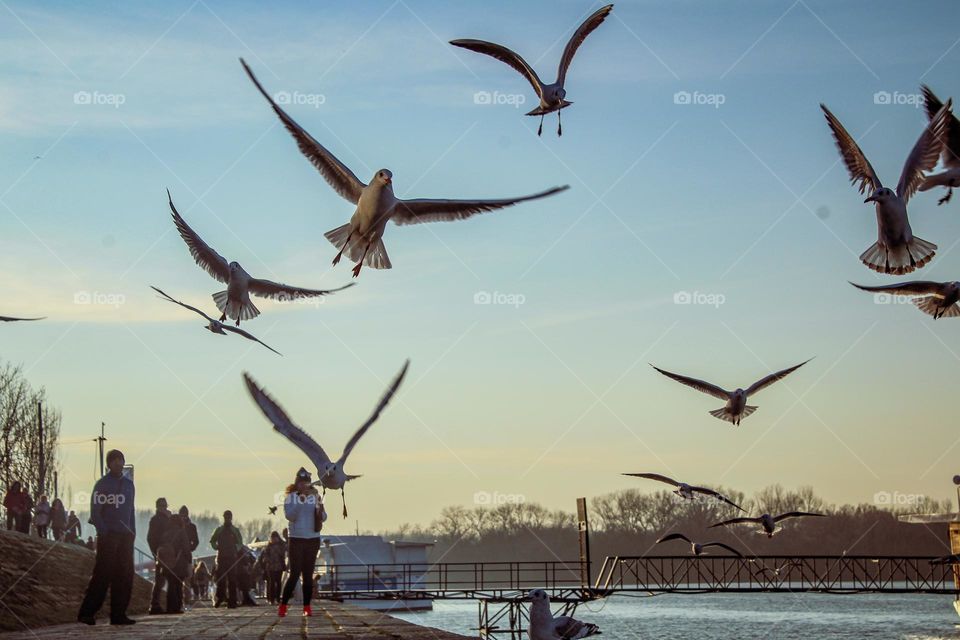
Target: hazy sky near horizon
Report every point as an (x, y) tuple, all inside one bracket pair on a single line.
[(546, 391)]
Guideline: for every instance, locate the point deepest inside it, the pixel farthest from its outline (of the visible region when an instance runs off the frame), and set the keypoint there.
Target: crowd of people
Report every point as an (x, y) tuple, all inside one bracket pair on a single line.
[(45, 519)]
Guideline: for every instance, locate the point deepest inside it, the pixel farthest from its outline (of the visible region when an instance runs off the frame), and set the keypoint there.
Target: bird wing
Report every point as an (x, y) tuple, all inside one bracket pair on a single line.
[(12, 319), (283, 425), (184, 305), (585, 29), (857, 164), (334, 172), (384, 401), (924, 155), (674, 536), (249, 336), (734, 521), (434, 210), (568, 628), (951, 148), (211, 261), (699, 385), (763, 383), (504, 55), (654, 476), (286, 292), (914, 288), (796, 514), (723, 546), (718, 496)]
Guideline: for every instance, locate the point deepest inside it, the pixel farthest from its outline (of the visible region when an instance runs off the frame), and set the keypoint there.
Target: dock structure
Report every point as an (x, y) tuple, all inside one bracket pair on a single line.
[(330, 621)]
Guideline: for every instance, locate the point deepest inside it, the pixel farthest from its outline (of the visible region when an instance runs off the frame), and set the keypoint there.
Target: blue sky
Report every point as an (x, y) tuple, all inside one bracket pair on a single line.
[(745, 202)]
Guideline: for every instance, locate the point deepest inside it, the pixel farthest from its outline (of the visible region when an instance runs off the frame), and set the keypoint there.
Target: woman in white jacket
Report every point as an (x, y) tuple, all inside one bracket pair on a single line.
[(303, 507)]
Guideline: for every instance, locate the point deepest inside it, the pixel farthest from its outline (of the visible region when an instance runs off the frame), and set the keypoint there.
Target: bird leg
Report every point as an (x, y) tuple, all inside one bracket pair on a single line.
[(945, 199), (343, 496), (337, 259), (356, 269), (559, 125), (223, 316), (540, 128)]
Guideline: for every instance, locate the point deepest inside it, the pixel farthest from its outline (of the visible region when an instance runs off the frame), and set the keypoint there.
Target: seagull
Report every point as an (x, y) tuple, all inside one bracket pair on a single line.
[(272, 510), (951, 149), (768, 522), (215, 326), (897, 250), (685, 490), (235, 300), (552, 96), (696, 547), (954, 559), (330, 473), (12, 319), (786, 565), (938, 299), (362, 238), (543, 626), (736, 407)]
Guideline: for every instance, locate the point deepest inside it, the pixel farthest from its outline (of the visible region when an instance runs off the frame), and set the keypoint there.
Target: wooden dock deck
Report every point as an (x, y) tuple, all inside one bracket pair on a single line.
[(330, 621)]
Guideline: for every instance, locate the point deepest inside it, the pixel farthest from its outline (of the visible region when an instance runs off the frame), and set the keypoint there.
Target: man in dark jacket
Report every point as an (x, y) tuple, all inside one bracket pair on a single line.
[(113, 514), (155, 537), (228, 542)]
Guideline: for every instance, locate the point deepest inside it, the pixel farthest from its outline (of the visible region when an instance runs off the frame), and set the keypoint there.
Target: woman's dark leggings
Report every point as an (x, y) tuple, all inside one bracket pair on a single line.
[(303, 559)]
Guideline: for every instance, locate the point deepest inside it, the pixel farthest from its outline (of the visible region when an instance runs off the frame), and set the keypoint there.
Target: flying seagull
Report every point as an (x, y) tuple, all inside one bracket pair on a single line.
[(272, 510), (543, 626), (767, 522), (235, 301), (215, 326), (552, 96), (330, 473), (362, 238), (736, 407), (897, 250), (938, 299), (696, 547), (12, 319), (951, 149), (685, 490)]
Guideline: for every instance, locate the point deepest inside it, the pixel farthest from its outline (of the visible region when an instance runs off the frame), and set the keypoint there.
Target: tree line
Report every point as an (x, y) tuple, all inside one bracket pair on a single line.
[(21, 447)]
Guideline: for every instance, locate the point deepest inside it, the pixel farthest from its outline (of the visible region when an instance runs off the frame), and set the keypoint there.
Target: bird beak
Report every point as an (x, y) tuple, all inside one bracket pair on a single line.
[(871, 198), (389, 180)]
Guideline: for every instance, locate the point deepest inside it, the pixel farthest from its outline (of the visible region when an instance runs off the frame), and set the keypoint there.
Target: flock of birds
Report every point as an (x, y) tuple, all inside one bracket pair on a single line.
[(896, 252)]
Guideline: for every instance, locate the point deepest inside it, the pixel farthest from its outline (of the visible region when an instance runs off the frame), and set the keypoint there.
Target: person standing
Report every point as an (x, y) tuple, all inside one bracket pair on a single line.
[(12, 502), (228, 543), (156, 534), (58, 519), (113, 515), (201, 581), (174, 559), (274, 562), (42, 519), (303, 508), (74, 529), (26, 511)]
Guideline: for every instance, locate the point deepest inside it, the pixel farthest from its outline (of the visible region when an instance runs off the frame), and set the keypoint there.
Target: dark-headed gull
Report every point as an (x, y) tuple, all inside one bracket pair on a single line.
[(696, 547), (767, 522), (235, 301), (12, 319), (331, 473), (552, 96), (736, 407), (685, 490), (543, 626), (362, 238), (215, 326), (896, 250), (938, 299), (950, 178)]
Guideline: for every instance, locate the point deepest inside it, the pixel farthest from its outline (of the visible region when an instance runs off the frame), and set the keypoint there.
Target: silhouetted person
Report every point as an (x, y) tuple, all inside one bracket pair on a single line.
[(155, 536), (58, 519), (13, 503), (201, 581), (113, 514), (174, 561), (41, 518), (304, 510), (274, 562), (228, 543), (74, 530), (26, 513)]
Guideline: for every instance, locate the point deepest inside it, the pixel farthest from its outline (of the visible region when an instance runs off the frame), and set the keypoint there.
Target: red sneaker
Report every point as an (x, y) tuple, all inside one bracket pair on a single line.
[(282, 611), (307, 611)]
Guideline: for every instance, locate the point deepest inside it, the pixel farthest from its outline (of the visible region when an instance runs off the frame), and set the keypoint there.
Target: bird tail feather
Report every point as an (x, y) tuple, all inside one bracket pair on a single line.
[(931, 306), (943, 179), (246, 311), (903, 259), (377, 257), (726, 416)]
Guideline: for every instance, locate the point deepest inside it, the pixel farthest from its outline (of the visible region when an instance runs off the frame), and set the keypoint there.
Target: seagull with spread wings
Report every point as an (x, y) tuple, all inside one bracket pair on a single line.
[(362, 238), (950, 178), (215, 326), (937, 299), (684, 490), (896, 250), (736, 407), (767, 522), (234, 302), (696, 547), (331, 473), (552, 96), (544, 626)]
